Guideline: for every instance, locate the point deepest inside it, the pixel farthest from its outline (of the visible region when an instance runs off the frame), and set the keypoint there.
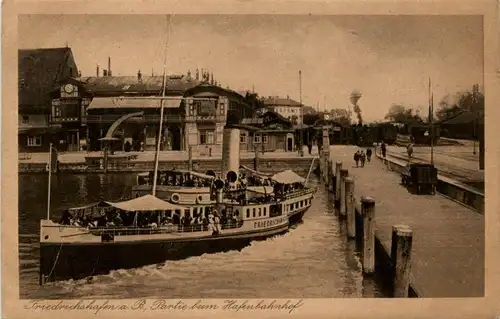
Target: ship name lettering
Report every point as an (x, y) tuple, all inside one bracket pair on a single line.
[(268, 223)]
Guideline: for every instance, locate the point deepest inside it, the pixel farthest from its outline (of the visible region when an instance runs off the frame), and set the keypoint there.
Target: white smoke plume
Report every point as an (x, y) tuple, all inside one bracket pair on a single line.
[(355, 96)]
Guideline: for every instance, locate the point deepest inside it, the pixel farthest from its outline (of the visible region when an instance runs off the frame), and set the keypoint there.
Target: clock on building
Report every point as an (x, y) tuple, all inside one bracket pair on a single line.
[(68, 88)]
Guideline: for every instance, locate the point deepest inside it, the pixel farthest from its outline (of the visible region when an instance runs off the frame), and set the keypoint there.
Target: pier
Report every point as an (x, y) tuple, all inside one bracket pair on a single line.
[(83, 162), (447, 250)]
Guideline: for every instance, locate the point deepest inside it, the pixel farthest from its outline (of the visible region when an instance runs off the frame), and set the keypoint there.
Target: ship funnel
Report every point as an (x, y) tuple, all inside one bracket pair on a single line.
[(230, 154)]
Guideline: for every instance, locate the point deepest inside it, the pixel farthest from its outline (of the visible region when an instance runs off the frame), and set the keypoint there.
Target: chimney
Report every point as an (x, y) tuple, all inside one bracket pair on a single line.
[(197, 74), (97, 70), (109, 66), (104, 72), (139, 76), (189, 75)]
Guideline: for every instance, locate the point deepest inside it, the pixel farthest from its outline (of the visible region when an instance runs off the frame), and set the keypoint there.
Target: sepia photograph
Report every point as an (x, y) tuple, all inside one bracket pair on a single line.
[(223, 156)]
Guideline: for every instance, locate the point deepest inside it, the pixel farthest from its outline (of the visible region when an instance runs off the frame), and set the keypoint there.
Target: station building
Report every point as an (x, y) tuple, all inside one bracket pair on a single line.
[(44, 76)]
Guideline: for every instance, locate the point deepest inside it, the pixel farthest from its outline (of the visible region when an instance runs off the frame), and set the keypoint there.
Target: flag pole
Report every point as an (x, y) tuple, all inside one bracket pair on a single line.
[(50, 181), (431, 121)]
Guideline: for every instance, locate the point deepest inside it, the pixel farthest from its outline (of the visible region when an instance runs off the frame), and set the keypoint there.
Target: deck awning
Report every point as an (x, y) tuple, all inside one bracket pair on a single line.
[(287, 177), (128, 103), (145, 203)]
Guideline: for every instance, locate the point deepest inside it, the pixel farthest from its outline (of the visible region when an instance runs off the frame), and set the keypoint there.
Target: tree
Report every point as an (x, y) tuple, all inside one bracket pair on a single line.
[(464, 101), (310, 119), (401, 114)]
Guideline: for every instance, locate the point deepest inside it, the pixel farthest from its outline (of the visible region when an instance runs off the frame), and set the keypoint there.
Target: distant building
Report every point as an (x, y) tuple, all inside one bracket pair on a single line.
[(268, 132), (286, 107), (43, 74)]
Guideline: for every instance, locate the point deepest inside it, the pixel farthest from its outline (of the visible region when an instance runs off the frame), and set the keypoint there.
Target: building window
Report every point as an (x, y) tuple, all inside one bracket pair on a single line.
[(254, 212), (265, 139), (222, 109), (25, 119), (34, 141), (256, 138), (243, 137), (191, 109), (207, 137), (248, 212), (265, 211)]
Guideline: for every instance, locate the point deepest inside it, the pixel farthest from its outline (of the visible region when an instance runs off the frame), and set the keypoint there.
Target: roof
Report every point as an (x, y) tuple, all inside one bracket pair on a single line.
[(465, 117), (279, 101), (287, 177), (252, 120), (120, 85), (39, 72), (249, 128), (276, 116), (115, 102), (145, 203)]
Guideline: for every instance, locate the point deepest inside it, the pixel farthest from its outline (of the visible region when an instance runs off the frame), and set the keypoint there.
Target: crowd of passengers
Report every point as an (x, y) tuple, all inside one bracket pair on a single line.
[(241, 184), (210, 219)]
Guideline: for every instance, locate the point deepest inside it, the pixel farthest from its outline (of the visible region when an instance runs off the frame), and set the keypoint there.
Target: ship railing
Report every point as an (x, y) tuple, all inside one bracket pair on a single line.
[(299, 193), (125, 231)]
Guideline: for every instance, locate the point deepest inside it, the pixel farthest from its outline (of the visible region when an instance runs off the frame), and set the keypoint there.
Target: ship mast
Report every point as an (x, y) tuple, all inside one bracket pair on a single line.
[(164, 86)]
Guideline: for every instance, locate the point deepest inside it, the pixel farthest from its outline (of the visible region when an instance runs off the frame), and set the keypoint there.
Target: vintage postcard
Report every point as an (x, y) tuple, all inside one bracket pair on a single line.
[(250, 159)]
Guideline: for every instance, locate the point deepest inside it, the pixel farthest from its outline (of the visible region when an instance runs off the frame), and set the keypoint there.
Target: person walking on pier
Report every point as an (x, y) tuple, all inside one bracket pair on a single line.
[(362, 158), (409, 150), (383, 149), (369, 154), (356, 158)]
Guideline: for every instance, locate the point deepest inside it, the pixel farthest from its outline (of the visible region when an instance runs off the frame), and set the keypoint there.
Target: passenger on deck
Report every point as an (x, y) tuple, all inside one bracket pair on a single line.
[(66, 218)]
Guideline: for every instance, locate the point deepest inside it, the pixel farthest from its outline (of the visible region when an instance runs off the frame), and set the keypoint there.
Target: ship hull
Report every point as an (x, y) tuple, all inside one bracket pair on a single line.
[(296, 217), (77, 261)]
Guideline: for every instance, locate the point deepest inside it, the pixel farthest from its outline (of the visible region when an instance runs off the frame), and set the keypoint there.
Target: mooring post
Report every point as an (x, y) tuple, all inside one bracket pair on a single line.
[(256, 159), (349, 200), (338, 167), (368, 213), (344, 173), (402, 236), (328, 182), (190, 158), (105, 159)]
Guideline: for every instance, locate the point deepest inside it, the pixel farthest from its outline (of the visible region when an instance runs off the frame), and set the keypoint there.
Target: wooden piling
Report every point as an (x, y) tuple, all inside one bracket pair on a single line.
[(256, 160), (349, 200), (344, 173), (368, 214), (105, 159), (190, 158), (329, 177), (402, 237), (338, 167)]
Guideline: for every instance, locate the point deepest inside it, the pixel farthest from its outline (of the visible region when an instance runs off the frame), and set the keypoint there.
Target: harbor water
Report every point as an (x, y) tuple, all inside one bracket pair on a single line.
[(312, 260)]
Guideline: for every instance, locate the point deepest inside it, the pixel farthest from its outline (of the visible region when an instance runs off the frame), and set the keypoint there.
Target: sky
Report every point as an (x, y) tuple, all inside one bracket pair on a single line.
[(389, 59)]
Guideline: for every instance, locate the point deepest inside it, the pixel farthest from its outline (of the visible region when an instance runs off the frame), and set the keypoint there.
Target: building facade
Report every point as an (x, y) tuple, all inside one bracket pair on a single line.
[(42, 72), (208, 109), (269, 132), (286, 107), (114, 97)]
